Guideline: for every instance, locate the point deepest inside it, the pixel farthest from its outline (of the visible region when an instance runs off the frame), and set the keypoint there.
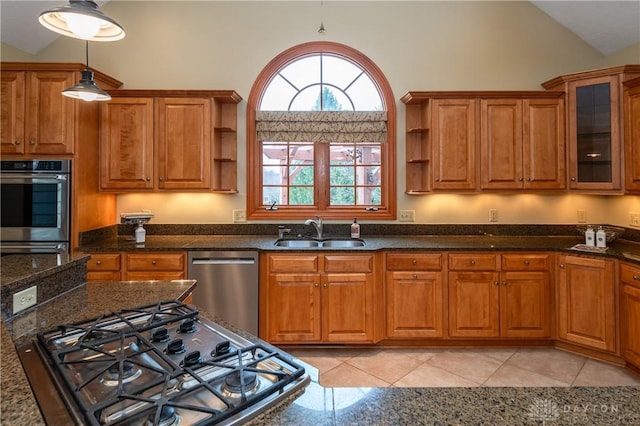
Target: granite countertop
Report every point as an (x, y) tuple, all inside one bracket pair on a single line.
[(620, 249)]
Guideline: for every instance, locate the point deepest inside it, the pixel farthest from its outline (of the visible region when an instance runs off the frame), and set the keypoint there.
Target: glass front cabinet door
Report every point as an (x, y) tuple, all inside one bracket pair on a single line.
[(595, 126)]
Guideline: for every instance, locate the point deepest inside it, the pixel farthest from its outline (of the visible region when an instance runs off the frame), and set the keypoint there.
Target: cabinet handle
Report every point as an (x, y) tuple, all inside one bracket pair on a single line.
[(16, 143), (573, 179), (497, 283), (526, 262), (504, 283), (415, 277), (153, 262), (148, 179), (520, 179), (473, 262), (324, 285), (636, 277), (528, 179), (32, 142), (437, 179), (316, 285), (562, 266), (99, 262), (414, 261), (161, 179)]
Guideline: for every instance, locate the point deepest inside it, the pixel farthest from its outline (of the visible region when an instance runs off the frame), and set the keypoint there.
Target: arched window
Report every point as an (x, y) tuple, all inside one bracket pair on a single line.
[(321, 137)]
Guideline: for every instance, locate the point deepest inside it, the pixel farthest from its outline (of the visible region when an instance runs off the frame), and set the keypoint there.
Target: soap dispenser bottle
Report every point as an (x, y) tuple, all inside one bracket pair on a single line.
[(141, 234), (590, 237), (355, 229), (601, 238)]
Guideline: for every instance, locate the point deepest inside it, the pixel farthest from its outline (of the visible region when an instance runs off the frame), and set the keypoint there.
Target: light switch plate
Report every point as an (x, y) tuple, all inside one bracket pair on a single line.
[(25, 299), (493, 215), (239, 216)]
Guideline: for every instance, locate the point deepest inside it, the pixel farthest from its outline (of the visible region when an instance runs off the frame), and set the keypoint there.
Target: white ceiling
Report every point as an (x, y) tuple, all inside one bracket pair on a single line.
[(608, 26)]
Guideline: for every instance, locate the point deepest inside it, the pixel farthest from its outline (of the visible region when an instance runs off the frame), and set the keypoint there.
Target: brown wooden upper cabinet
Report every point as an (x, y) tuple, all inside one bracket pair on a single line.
[(522, 143), (169, 140), (36, 118), (467, 141), (595, 123), (631, 101)]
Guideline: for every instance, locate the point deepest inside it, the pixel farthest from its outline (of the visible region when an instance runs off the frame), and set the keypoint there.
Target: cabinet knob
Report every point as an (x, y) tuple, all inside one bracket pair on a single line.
[(573, 179), (32, 142), (562, 266), (504, 283), (437, 179), (316, 285), (16, 143), (324, 285), (161, 179), (473, 262), (497, 283), (636, 277), (415, 276), (526, 262), (98, 262), (520, 179), (414, 261), (148, 179), (153, 262), (528, 179)]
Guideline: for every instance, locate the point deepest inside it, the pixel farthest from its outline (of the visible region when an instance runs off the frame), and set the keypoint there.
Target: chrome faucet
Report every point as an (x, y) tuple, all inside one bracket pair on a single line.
[(316, 224)]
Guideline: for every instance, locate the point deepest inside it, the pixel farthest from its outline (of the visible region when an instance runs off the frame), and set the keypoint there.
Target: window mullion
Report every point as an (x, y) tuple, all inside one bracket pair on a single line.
[(322, 175)]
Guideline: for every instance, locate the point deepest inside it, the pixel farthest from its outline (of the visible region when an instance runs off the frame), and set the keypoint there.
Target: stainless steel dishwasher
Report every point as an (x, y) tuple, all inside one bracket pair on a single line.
[(227, 286)]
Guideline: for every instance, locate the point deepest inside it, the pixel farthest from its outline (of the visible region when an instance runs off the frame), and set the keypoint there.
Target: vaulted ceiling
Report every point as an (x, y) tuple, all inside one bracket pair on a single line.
[(607, 26)]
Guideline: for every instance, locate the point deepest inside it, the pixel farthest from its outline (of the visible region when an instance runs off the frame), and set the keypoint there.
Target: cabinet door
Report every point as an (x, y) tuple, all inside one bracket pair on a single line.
[(474, 299), (347, 307), (594, 133), (414, 304), (126, 144), (50, 116), (524, 304), (630, 314), (501, 143), (631, 137), (543, 144), (586, 310), (183, 143), (12, 137), (293, 308), (454, 144)]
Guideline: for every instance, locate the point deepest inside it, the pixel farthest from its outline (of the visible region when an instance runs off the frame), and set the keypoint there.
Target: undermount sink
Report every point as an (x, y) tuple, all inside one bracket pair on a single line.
[(328, 243)]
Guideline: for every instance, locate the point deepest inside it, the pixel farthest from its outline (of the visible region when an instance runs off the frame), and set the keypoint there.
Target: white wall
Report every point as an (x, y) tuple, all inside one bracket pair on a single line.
[(419, 45)]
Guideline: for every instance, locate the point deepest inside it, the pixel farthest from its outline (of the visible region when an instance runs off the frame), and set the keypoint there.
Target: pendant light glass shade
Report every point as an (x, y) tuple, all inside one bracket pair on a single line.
[(86, 89), (82, 19)]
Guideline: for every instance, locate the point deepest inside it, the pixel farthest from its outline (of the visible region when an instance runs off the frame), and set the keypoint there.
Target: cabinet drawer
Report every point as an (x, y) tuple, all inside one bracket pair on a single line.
[(155, 261), (104, 262), (473, 262), (630, 275), (531, 261), (344, 263), (103, 275), (293, 263), (414, 262)]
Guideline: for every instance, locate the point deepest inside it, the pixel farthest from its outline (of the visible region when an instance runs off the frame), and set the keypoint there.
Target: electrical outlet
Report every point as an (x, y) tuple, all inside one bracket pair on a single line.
[(582, 216), (239, 216), (407, 216), (634, 219), (25, 325), (493, 215), (25, 298)]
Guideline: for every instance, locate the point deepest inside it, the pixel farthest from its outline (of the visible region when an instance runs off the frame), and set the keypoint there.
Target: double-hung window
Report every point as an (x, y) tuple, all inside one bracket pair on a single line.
[(321, 137)]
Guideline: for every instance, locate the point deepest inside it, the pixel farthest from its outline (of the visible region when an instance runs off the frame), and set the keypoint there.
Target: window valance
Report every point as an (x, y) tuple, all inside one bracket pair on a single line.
[(322, 126)]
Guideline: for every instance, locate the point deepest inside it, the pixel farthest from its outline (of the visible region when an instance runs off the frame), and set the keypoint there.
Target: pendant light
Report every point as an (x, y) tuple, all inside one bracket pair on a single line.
[(82, 19), (86, 89)]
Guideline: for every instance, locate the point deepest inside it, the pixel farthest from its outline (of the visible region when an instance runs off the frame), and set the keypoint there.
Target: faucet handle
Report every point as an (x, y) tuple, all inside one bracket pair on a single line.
[(282, 230)]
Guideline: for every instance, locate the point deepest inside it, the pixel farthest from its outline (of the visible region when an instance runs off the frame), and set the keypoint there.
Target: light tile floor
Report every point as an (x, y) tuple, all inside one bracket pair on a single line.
[(460, 368)]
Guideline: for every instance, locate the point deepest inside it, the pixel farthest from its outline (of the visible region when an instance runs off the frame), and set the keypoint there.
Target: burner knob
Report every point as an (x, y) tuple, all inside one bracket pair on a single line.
[(187, 326), (160, 335), (175, 347), (191, 359), (221, 348)]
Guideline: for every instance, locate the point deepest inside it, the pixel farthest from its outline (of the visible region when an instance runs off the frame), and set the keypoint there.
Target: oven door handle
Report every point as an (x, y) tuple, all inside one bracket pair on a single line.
[(12, 178), (9, 247)]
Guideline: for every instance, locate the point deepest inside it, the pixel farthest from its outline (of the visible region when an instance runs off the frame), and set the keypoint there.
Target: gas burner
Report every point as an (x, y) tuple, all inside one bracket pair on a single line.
[(168, 417), (112, 375), (239, 383)]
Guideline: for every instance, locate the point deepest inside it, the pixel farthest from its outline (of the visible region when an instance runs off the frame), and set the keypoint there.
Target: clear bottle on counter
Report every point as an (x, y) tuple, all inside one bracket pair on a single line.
[(601, 238), (590, 237), (141, 234), (355, 229)]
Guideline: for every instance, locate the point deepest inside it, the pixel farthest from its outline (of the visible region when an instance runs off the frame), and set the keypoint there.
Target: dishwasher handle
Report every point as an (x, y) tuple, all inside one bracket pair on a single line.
[(224, 261)]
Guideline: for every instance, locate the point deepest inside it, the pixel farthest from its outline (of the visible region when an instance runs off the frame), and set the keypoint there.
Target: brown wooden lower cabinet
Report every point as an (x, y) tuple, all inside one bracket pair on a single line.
[(137, 266), (513, 302), (586, 302), (630, 314), (319, 298)]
